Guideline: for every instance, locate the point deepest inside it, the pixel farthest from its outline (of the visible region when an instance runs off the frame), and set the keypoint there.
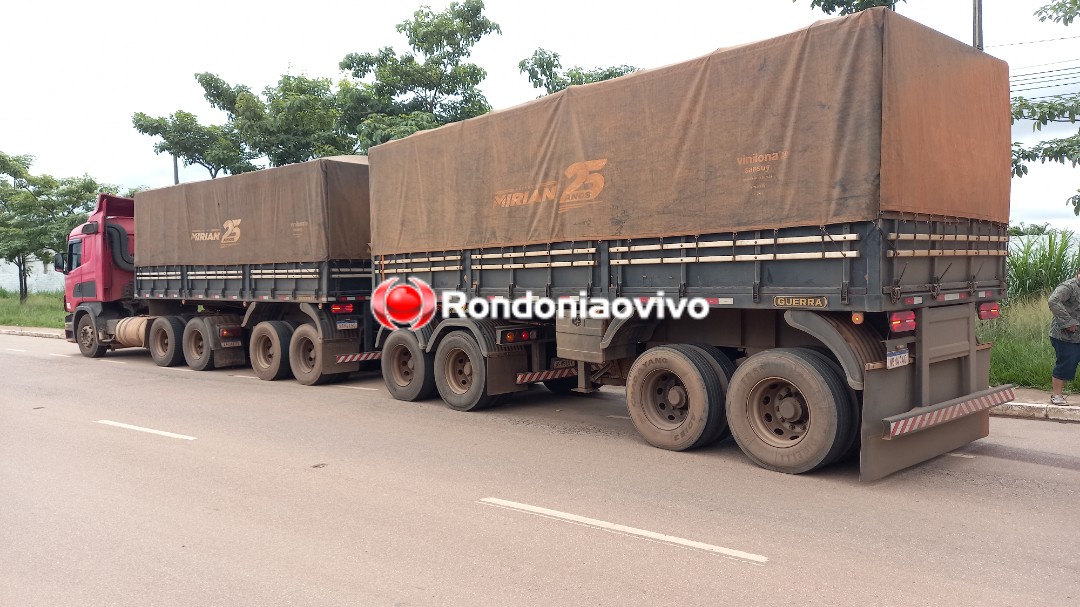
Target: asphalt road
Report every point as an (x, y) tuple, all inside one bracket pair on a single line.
[(263, 493)]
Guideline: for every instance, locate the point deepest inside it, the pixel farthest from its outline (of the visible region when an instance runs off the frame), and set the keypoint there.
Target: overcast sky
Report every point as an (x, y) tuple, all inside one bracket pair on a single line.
[(75, 71)]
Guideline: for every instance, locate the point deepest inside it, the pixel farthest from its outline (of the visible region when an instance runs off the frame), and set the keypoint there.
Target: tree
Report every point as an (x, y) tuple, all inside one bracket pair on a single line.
[(1060, 11), (543, 69), (434, 80), (1056, 109), (847, 7), (215, 148), (1032, 229), (37, 212)]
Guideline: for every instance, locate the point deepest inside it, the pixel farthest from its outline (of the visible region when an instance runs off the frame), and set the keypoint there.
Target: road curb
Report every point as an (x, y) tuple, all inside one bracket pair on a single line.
[(1036, 411), (31, 333)]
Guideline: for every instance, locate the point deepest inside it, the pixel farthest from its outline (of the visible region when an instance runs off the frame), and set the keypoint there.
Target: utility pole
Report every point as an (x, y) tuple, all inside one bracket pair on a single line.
[(976, 24), (175, 171)]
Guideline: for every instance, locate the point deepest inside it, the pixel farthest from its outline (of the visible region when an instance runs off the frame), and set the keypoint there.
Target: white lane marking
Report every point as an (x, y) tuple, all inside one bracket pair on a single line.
[(244, 376), (16, 350), (115, 362), (360, 388), (177, 368), (61, 355), (620, 416), (623, 529), (963, 455), (141, 429)]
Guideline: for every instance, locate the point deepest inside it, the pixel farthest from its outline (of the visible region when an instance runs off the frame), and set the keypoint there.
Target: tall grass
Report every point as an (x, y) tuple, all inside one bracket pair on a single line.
[(1037, 264), (1022, 352), (40, 310)]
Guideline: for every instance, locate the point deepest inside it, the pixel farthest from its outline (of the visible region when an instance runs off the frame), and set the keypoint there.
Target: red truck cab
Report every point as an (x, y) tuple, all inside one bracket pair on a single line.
[(99, 264)]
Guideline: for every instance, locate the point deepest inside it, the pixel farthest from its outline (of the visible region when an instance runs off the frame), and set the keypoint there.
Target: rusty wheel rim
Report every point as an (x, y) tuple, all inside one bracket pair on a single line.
[(778, 412)]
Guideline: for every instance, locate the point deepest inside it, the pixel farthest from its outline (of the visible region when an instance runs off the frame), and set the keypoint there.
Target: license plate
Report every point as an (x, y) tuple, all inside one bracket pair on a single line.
[(897, 358), (562, 363), (231, 344), (347, 324)]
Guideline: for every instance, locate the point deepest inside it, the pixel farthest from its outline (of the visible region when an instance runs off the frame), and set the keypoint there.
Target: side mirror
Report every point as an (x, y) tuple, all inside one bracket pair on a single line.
[(90, 228), (58, 263)]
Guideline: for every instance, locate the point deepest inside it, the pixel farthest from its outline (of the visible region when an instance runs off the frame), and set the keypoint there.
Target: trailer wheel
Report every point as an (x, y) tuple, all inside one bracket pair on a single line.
[(723, 368), (788, 411), (461, 373), (87, 338), (408, 371), (305, 356), (165, 345), (197, 351), (269, 350), (674, 397), (850, 398)]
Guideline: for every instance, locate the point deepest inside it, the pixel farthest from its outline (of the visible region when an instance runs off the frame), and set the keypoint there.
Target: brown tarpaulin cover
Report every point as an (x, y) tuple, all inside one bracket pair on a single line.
[(311, 211), (840, 121)]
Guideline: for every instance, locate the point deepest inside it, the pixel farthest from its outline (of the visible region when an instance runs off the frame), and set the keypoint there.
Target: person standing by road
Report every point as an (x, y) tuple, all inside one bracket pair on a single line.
[(1065, 335)]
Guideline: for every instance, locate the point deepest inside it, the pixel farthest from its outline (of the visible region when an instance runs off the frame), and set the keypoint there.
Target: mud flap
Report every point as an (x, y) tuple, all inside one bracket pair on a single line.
[(885, 449)]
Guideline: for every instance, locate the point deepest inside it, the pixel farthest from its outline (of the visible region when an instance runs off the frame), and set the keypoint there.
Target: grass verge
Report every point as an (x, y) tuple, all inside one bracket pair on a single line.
[(40, 310), (1022, 352)]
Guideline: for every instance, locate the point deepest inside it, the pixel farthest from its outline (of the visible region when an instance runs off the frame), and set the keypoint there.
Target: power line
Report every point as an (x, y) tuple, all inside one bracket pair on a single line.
[(1045, 64), (1032, 41), (1042, 74), (1046, 86), (1051, 96), (1044, 81)]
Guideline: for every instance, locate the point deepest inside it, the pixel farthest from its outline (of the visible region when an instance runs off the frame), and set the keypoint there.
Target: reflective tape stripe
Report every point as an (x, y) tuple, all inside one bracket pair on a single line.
[(352, 358), (528, 378), (936, 417)]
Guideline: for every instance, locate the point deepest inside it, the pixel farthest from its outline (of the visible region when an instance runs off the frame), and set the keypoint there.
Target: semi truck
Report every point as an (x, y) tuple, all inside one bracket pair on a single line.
[(836, 200), (271, 268)]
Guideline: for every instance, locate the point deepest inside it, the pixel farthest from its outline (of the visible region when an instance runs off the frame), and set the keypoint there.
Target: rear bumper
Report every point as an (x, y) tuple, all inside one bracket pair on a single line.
[(924, 418)]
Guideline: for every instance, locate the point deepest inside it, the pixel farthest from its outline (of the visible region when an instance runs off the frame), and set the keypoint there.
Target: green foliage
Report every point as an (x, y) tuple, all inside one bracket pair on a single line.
[(847, 7), (215, 148), (36, 310), (1059, 11), (298, 119), (1033, 229), (1060, 108), (37, 212), (543, 69), (1037, 264), (433, 80)]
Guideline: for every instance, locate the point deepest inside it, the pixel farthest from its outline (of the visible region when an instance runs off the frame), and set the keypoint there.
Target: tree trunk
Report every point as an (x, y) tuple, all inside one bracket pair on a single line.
[(22, 264)]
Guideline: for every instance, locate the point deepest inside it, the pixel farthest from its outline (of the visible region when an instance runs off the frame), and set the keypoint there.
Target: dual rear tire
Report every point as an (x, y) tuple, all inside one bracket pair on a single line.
[(791, 411)]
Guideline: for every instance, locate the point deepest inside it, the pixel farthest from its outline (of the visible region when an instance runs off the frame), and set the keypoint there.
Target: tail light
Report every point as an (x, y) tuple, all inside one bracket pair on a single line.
[(514, 336), (988, 310), (229, 332), (902, 322), (340, 308)]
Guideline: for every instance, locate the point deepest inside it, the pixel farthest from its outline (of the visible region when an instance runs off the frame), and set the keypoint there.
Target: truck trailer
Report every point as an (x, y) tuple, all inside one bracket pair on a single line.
[(271, 267), (836, 199), (839, 196)]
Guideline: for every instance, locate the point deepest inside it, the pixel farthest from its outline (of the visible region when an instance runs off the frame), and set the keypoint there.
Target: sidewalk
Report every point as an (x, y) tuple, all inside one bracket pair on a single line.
[(1029, 404), (32, 331)]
